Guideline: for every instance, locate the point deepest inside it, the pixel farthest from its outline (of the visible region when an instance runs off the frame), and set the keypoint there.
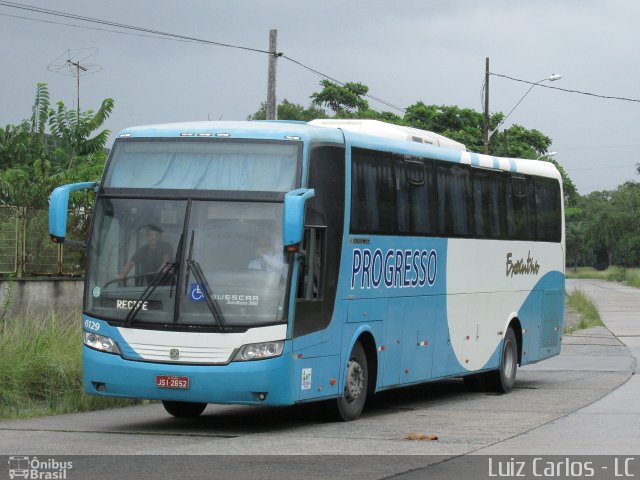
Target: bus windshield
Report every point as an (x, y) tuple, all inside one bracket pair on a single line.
[(192, 164), (229, 254)]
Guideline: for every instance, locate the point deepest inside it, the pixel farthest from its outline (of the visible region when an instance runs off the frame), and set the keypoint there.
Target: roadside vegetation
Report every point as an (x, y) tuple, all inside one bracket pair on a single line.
[(41, 367), (588, 313), (630, 276)]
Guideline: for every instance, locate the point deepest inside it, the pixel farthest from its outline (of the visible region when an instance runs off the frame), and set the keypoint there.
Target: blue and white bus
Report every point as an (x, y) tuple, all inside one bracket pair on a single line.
[(329, 260)]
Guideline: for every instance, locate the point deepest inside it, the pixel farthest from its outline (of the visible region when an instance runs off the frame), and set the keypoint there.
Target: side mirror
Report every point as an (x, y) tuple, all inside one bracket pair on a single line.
[(58, 206), (293, 216)]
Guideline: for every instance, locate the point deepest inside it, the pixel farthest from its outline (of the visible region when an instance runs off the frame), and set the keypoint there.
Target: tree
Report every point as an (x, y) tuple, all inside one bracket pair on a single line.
[(461, 124), (73, 130), (13, 146), (569, 189), (342, 99), (574, 237), (604, 226), (22, 144), (290, 111), (34, 162), (464, 125)]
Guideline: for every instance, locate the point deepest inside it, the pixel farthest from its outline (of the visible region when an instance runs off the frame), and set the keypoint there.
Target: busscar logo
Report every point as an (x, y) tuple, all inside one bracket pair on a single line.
[(34, 468)]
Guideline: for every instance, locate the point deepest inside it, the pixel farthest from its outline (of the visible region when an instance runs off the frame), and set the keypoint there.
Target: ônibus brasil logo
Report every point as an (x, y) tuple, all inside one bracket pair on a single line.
[(36, 469)]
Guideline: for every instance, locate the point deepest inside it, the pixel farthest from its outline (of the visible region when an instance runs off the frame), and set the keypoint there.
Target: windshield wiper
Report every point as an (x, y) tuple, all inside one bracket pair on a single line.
[(160, 276), (158, 279), (176, 262), (201, 279)]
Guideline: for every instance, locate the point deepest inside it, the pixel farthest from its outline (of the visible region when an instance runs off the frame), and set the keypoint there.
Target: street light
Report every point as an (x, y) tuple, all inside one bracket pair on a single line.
[(486, 134), (551, 78)]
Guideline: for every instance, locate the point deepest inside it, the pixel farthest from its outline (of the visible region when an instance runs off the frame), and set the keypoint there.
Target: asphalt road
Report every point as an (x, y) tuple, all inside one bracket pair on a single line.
[(583, 402)]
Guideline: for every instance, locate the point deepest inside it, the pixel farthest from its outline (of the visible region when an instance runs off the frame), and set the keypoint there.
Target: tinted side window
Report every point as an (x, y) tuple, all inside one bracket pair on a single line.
[(521, 209), (417, 208), (373, 193), (547, 194), (454, 199), (489, 191)]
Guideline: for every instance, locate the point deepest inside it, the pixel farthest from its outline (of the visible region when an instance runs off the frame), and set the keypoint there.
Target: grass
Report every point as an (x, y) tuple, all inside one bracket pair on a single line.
[(631, 276), (580, 302), (41, 367)]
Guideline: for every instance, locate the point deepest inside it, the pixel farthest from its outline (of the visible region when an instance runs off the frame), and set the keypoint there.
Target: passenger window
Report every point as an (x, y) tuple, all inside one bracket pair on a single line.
[(548, 207), (373, 194), (454, 200), (488, 202), (521, 209), (417, 207)]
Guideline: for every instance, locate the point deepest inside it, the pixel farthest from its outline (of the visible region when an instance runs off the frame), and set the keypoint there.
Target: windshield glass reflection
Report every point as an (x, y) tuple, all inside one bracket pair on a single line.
[(227, 268)]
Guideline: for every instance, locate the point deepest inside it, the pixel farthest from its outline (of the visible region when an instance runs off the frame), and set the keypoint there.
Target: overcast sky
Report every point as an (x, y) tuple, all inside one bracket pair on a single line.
[(405, 51)]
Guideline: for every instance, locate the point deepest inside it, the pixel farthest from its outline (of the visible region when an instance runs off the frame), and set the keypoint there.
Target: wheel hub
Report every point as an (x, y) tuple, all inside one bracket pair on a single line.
[(508, 360), (355, 381)]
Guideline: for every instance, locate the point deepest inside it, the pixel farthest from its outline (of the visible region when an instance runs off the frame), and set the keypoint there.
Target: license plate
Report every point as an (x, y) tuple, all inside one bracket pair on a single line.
[(170, 381)]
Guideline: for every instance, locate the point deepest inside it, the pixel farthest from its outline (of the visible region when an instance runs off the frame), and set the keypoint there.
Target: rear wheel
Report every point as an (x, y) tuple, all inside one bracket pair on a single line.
[(183, 409), (503, 379), (351, 403)]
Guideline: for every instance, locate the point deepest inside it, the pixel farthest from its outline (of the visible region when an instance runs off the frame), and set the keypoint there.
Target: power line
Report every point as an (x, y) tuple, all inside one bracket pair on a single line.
[(161, 35), (97, 29), (150, 33), (334, 80), (72, 16), (608, 97)]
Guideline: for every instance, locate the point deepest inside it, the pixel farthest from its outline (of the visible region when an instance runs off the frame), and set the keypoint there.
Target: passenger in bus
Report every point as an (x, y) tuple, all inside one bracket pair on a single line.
[(149, 258), (268, 256)]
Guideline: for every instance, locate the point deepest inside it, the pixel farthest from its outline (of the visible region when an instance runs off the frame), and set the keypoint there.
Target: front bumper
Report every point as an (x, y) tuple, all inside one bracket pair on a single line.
[(236, 383)]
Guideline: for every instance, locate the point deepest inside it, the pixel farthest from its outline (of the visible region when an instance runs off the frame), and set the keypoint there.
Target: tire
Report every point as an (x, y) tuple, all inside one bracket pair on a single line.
[(183, 409), (352, 401), (503, 379)]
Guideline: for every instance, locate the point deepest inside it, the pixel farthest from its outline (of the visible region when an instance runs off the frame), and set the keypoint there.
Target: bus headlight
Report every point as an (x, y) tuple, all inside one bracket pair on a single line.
[(259, 351), (100, 342)]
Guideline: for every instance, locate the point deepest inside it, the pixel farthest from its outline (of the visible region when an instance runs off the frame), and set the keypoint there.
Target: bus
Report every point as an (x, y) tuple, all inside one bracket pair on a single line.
[(294, 262)]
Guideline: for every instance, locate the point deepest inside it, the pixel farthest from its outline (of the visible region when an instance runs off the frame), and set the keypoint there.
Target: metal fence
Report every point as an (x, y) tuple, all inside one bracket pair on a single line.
[(26, 248)]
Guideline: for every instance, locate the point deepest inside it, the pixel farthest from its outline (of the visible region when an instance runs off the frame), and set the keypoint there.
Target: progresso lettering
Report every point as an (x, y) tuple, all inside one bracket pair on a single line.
[(393, 268)]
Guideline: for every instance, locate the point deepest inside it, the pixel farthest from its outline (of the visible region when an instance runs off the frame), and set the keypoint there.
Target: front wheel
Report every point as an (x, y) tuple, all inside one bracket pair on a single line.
[(503, 379), (183, 409), (351, 403)]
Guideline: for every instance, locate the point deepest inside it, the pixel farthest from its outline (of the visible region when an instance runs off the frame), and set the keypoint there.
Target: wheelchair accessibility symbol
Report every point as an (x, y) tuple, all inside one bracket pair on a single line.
[(196, 294)]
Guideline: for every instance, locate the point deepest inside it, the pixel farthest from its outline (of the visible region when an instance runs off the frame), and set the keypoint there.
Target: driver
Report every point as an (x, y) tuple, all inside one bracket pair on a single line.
[(149, 258)]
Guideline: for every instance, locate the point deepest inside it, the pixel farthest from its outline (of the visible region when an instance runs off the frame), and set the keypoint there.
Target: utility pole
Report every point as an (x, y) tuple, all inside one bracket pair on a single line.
[(272, 111), (486, 108)]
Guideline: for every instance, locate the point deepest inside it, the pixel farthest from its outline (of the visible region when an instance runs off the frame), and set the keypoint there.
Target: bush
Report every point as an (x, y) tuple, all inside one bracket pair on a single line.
[(584, 306), (41, 367)]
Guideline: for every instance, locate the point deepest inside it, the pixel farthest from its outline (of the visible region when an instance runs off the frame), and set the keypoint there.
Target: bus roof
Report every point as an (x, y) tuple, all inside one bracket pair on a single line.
[(389, 130), (262, 129), (362, 133)]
